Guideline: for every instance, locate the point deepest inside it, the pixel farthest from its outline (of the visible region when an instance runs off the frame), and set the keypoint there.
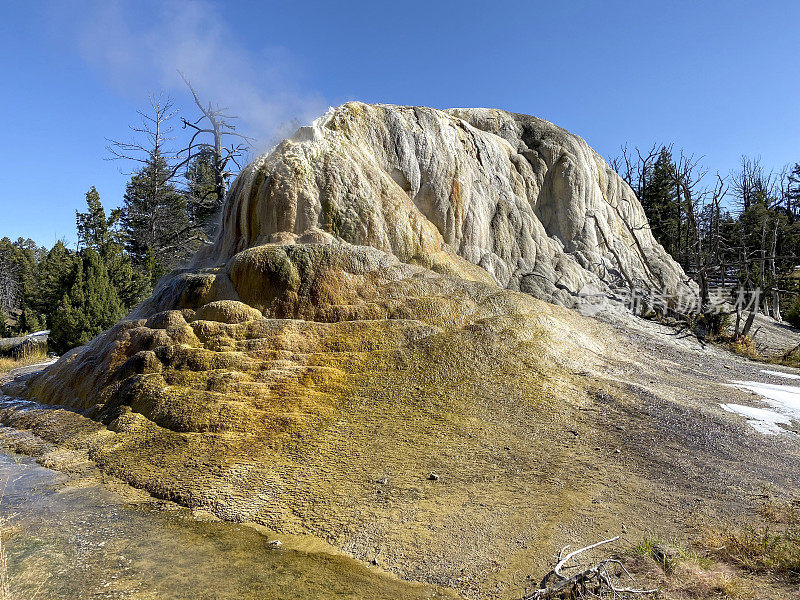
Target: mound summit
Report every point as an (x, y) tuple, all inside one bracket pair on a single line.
[(528, 202)]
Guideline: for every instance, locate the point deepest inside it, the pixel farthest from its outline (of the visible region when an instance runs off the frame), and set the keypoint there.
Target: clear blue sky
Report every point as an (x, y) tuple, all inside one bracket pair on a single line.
[(720, 79)]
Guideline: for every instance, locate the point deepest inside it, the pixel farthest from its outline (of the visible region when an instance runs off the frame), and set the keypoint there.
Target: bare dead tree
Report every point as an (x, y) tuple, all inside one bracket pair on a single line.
[(766, 208), (153, 218), (687, 175), (703, 210), (635, 165), (751, 182), (691, 220), (165, 220), (210, 131), (152, 136), (624, 165)]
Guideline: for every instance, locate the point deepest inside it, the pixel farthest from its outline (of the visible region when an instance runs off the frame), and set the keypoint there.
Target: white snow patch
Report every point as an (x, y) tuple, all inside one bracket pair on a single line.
[(781, 374), (765, 421), (784, 400)]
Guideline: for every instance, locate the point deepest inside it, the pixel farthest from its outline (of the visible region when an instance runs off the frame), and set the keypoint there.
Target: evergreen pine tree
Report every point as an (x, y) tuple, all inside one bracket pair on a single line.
[(793, 192), (89, 306), (95, 230), (10, 292), (202, 196), (154, 219), (55, 271), (101, 234), (658, 198), (132, 284), (20, 258)]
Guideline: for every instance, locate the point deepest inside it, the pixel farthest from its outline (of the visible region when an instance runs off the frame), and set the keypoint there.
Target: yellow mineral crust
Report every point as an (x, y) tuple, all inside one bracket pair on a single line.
[(314, 371)]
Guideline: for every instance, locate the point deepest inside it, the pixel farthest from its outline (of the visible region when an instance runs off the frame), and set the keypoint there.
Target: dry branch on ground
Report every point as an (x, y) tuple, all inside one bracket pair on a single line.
[(603, 580)]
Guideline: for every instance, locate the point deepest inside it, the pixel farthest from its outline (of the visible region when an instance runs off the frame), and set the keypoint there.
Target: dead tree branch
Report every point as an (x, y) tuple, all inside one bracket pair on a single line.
[(598, 581)]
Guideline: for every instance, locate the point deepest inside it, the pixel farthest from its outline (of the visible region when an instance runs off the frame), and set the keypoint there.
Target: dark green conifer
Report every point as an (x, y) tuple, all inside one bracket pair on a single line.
[(154, 219), (659, 200), (203, 199), (89, 306)]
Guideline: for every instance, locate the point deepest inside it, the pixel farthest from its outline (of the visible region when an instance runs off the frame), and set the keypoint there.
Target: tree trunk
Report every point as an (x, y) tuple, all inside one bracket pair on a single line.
[(704, 295), (776, 307), (755, 301), (748, 324), (738, 322)]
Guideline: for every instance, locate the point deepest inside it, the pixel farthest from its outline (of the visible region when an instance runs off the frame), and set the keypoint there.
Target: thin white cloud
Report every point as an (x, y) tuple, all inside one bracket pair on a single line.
[(138, 54)]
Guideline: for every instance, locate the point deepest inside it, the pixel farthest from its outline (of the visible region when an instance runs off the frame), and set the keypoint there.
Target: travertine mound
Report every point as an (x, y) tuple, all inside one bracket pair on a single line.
[(346, 336), (527, 201)]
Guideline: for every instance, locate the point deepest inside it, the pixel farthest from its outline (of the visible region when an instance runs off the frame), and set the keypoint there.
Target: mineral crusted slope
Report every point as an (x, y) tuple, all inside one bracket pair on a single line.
[(323, 403)]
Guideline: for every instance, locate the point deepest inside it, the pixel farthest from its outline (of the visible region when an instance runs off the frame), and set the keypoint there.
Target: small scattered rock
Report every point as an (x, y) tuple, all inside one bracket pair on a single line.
[(664, 553), (275, 543), (433, 477)]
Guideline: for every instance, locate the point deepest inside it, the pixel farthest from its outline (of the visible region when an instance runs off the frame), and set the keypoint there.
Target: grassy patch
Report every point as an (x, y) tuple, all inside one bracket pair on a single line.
[(773, 547), (743, 345), (762, 549), (790, 358), (680, 574), (30, 357), (666, 555)]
